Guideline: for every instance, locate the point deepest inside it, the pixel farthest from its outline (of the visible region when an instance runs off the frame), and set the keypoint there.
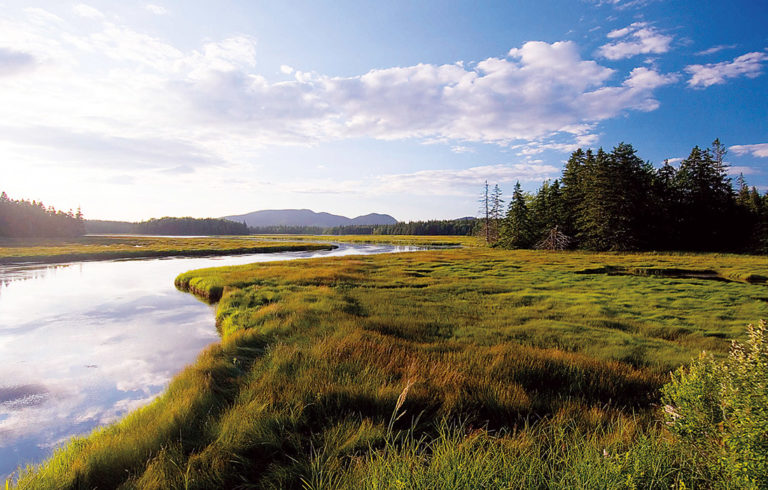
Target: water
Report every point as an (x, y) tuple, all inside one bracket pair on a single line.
[(82, 344)]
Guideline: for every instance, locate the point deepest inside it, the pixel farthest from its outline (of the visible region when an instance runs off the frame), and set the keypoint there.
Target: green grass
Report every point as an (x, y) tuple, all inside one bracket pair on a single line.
[(524, 373), (117, 247)]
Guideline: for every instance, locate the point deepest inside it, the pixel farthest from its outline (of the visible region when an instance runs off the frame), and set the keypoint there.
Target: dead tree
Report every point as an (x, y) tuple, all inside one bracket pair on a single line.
[(554, 240)]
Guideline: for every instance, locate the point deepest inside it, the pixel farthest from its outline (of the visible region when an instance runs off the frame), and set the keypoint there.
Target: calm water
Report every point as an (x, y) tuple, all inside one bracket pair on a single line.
[(81, 344)]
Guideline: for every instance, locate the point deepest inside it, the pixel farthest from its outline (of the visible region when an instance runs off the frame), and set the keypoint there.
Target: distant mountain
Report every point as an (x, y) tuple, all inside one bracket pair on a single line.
[(305, 217), (373, 219)]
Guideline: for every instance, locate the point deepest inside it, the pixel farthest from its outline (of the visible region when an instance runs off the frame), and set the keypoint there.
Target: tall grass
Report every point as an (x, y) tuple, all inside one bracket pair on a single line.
[(520, 373)]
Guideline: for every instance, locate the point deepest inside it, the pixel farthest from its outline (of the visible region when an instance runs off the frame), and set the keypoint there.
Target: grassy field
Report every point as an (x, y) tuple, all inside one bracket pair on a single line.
[(121, 247), (464, 368)]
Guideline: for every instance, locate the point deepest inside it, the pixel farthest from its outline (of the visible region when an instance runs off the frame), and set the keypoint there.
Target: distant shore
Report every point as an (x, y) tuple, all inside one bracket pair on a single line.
[(90, 248)]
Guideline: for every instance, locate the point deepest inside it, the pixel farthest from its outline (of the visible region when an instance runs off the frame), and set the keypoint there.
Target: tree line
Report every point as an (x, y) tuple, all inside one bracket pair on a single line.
[(463, 226), (24, 218), (616, 201), (190, 226)]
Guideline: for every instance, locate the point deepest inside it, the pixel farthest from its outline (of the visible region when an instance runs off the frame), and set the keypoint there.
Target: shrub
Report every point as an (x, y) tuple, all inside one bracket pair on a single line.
[(720, 409)]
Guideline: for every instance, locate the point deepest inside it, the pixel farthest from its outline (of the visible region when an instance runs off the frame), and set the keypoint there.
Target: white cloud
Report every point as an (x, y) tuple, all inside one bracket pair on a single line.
[(440, 182), (759, 150), (715, 49), (584, 140), (88, 12), (641, 38), (736, 170), (285, 69), (539, 90), (463, 181), (113, 94), (156, 9), (622, 4), (749, 65), (461, 149), (123, 44)]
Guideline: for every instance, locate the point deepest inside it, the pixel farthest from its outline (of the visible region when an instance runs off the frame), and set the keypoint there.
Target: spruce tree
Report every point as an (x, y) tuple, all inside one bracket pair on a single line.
[(573, 190), (707, 201), (516, 229), (613, 211)]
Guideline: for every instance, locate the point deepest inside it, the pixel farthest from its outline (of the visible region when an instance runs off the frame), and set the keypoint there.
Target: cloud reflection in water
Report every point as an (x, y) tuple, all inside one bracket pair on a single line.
[(84, 344)]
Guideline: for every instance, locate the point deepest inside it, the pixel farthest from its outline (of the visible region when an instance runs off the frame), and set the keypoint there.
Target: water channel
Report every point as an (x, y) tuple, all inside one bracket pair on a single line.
[(83, 343)]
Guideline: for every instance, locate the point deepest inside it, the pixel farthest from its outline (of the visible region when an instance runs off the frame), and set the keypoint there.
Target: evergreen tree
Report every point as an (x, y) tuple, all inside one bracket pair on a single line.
[(547, 209), (665, 210), (21, 218), (517, 231), (616, 189), (573, 190), (707, 202)]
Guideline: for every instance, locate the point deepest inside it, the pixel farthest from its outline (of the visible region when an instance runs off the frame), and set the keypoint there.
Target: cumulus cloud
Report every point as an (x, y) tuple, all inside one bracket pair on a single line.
[(13, 62), (749, 65), (759, 150), (118, 87), (538, 90), (637, 38)]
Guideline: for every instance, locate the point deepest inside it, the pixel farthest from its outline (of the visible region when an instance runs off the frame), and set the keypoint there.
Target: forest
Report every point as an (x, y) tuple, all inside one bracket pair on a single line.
[(23, 218), (616, 201)]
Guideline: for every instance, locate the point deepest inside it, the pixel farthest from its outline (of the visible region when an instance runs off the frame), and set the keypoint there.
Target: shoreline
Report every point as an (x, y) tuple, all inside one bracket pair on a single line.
[(149, 254)]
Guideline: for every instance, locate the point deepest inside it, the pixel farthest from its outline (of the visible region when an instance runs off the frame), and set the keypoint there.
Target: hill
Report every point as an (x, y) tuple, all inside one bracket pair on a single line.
[(306, 217)]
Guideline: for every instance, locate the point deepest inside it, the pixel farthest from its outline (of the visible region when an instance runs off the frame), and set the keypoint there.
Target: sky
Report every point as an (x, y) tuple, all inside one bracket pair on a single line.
[(132, 110)]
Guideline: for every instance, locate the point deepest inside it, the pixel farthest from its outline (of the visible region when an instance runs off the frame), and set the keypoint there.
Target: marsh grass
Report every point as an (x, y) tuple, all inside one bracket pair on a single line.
[(512, 370), (123, 247)]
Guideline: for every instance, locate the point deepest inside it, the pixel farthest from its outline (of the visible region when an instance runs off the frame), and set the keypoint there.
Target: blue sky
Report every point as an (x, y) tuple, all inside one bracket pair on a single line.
[(135, 110)]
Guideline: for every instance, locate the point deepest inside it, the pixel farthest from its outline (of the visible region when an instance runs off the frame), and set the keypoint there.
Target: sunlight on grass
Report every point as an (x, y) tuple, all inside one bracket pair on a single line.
[(521, 371)]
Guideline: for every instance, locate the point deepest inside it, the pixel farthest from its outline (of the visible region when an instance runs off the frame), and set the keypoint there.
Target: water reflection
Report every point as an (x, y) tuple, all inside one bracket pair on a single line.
[(82, 344)]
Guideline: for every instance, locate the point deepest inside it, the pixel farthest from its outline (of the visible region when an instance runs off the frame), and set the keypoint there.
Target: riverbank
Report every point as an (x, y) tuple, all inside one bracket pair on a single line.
[(359, 372), (15, 251)]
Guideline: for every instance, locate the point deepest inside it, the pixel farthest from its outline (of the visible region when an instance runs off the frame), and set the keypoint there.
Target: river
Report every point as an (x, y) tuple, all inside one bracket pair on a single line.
[(83, 343)]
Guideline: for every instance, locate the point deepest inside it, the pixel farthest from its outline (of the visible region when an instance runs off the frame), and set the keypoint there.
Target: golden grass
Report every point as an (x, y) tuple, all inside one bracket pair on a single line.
[(316, 354), (114, 247)]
